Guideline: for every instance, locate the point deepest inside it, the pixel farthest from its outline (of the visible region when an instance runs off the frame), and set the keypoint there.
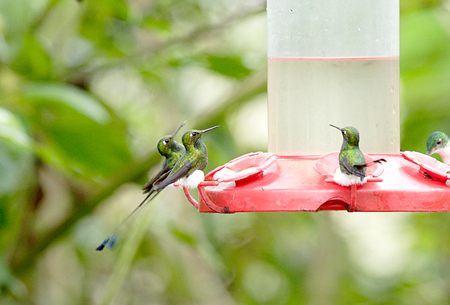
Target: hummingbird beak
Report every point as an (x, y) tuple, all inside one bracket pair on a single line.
[(178, 129), (335, 127), (208, 129), (429, 152)]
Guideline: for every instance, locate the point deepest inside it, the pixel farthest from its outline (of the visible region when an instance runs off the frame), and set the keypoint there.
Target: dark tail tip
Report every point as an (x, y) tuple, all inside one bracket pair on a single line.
[(109, 243), (380, 160)]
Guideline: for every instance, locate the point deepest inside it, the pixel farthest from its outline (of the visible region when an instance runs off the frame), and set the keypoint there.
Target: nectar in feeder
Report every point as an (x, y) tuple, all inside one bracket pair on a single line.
[(335, 61)]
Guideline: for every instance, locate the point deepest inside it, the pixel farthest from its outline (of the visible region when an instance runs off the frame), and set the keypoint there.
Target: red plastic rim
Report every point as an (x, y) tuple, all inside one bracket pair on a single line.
[(245, 167), (428, 165)]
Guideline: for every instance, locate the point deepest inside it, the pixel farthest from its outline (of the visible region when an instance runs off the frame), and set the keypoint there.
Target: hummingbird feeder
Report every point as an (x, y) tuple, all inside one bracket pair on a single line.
[(329, 62)]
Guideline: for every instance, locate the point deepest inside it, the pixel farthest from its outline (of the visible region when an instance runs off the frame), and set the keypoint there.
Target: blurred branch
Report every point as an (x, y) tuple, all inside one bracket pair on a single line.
[(191, 37), (203, 30), (253, 85)]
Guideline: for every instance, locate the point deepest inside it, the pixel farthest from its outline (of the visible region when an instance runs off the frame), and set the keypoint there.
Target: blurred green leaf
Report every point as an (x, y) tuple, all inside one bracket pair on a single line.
[(230, 66), (48, 93), (62, 43), (409, 5), (12, 130), (424, 67), (14, 164), (97, 148), (17, 16), (157, 23), (183, 236), (17, 165), (423, 41), (100, 24), (31, 60), (15, 155), (5, 274), (78, 128)]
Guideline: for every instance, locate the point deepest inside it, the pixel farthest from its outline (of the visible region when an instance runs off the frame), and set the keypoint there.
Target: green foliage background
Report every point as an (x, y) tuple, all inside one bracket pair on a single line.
[(86, 90)]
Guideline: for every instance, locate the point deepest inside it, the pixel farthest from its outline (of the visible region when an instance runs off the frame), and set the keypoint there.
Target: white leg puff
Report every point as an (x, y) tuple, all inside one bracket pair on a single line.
[(193, 180), (345, 179)]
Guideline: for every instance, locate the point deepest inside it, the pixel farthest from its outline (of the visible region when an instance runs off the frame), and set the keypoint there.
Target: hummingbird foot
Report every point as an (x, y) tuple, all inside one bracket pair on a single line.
[(347, 180)]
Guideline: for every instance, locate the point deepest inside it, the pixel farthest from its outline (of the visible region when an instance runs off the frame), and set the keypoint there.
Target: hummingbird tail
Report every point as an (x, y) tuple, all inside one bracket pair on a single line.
[(376, 161), (109, 242), (112, 238), (178, 129)]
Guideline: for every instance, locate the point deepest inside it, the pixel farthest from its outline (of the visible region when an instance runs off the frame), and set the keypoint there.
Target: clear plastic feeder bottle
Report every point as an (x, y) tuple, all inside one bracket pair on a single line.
[(333, 62)]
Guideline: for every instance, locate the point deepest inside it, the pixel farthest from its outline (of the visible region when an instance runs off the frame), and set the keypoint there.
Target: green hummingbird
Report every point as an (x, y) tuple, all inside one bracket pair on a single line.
[(352, 164), (439, 143), (172, 151), (188, 171)]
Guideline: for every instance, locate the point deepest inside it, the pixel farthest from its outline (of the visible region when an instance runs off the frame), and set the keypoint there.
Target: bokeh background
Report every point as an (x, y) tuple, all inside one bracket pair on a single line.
[(87, 89)]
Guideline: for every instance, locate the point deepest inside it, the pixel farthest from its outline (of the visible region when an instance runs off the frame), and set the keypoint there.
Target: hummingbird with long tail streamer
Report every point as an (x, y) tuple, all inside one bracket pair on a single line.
[(189, 169), (352, 164), (172, 151)]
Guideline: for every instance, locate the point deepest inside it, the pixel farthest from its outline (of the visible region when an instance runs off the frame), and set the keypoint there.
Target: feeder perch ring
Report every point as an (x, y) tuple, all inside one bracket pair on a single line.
[(429, 167)]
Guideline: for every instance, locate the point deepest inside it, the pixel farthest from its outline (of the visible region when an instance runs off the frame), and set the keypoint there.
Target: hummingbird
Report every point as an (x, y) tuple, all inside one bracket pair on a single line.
[(172, 151), (188, 171), (352, 164), (439, 143)]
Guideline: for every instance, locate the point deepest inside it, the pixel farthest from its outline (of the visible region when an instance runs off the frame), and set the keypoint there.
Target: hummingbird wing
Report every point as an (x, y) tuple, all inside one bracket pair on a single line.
[(173, 177), (161, 175), (357, 169)]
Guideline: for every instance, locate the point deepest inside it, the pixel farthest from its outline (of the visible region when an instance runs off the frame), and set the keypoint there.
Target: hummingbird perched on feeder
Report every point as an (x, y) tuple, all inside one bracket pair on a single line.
[(439, 143), (352, 164), (188, 171), (172, 151)]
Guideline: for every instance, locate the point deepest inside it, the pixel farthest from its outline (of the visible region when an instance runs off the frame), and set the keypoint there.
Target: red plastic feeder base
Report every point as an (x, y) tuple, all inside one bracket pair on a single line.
[(265, 182)]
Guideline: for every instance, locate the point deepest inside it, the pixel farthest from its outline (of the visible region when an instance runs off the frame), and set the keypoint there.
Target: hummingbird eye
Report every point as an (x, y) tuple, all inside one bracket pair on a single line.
[(194, 134), (344, 132), (438, 142), (166, 141)]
